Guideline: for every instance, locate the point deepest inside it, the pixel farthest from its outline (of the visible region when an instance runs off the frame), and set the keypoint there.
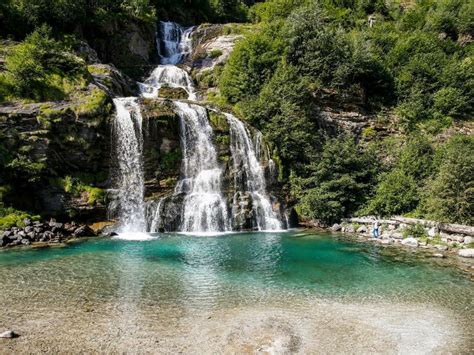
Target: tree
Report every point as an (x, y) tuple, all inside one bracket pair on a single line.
[(449, 196), (340, 182), (250, 65)]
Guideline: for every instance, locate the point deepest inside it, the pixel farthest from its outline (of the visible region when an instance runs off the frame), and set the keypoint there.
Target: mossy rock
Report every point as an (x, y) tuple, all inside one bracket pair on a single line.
[(218, 122), (173, 93)]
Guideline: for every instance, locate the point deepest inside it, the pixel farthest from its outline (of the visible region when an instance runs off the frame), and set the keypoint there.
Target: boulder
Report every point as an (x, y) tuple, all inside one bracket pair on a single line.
[(362, 229), (466, 253), (411, 242), (25, 241), (397, 235), (468, 240), (349, 229), (437, 255), (83, 231), (27, 221), (9, 334), (441, 247), (457, 238), (336, 227), (433, 231)]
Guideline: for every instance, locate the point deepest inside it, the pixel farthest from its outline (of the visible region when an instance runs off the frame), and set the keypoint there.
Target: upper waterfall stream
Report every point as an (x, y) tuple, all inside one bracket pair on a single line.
[(204, 207)]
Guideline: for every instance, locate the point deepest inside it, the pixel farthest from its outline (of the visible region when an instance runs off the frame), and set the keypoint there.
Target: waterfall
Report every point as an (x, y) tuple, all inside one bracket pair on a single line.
[(175, 42), (130, 175), (249, 176), (204, 208), (198, 199)]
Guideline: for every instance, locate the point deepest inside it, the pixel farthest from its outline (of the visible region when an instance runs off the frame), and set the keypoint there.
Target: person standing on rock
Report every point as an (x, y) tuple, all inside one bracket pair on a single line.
[(375, 229)]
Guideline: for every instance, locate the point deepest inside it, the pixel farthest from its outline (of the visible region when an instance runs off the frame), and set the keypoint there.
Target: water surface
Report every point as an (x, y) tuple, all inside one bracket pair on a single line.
[(240, 292)]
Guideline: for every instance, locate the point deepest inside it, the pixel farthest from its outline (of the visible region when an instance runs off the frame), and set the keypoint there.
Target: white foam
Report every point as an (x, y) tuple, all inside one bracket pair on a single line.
[(136, 236)]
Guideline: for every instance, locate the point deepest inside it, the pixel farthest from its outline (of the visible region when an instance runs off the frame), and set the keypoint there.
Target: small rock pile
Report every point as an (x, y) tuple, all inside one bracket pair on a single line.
[(48, 232)]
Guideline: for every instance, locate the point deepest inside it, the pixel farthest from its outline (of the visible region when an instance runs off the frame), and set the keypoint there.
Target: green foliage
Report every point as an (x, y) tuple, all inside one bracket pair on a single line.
[(215, 53), (252, 63), (449, 194), (9, 217), (77, 188), (397, 193), (40, 68), (415, 231), (340, 182)]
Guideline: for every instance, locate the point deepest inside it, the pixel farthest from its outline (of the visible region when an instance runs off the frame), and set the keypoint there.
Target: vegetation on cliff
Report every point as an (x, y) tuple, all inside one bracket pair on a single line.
[(411, 65)]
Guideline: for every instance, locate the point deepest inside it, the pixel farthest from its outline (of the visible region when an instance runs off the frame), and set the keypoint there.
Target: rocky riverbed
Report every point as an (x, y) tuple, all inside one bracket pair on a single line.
[(45, 232)]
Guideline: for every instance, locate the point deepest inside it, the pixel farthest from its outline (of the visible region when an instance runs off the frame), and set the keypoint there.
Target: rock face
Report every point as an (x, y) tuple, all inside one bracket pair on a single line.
[(129, 45)]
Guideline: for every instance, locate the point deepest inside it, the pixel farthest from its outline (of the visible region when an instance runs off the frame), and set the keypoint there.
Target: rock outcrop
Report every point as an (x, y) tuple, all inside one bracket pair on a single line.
[(46, 232)]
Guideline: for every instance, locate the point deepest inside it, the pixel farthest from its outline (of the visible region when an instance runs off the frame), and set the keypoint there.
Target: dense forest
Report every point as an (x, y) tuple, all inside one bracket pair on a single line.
[(407, 64)]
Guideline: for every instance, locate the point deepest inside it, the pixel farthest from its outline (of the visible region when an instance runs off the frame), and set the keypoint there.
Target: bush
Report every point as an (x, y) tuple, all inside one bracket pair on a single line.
[(415, 231), (37, 66), (397, 193)]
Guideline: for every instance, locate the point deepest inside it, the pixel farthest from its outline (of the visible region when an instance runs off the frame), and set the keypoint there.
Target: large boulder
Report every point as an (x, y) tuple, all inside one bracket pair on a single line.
[(466, 253), (411, 242)]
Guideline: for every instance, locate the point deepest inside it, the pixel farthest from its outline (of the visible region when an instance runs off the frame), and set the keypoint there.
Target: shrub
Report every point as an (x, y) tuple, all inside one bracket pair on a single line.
[(415, 231), (397, 193)]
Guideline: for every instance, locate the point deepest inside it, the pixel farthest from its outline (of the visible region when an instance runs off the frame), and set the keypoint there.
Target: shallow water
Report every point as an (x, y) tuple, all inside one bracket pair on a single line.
[(240, 292)]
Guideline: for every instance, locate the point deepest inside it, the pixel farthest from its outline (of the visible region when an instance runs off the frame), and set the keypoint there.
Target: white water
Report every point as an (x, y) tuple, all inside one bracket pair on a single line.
[(249, 176), (130, 174), (204, 208), (176, 42), (170, 76)]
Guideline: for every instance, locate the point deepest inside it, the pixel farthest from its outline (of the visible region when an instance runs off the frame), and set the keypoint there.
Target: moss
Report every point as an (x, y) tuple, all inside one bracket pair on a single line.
[(368, 133), (11, 218), (98, 70), (94, 102), (173, 93), (218, 121), (215, 53), (95, 195)]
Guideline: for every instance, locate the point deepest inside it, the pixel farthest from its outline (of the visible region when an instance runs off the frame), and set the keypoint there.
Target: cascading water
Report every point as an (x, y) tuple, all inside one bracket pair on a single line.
[(130, 177), (175, 42), (167, 75), (249, 177), (204, 208)]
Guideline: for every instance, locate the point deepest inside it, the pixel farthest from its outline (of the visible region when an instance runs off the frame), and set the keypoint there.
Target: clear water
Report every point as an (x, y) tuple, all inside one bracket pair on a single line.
[(238, 266), (154, 289)]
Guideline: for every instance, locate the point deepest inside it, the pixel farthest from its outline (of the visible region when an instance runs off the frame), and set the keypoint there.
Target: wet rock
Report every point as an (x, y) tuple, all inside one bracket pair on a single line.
[(25, 241), (362, 229), (411, 242), (466, 253), (83, 231), (9, 334), (336, 227)]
